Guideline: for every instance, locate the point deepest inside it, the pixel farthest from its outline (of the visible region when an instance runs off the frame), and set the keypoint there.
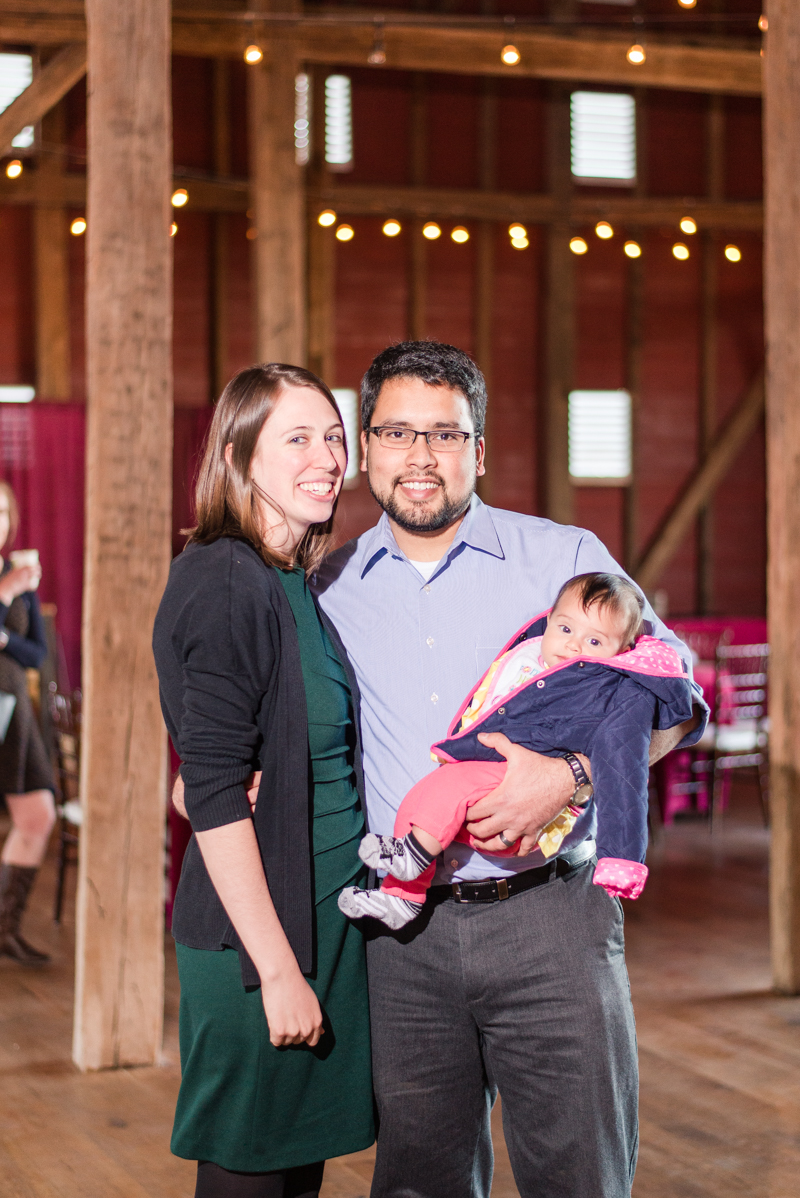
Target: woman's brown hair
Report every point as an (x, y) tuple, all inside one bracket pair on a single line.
[(13, 514), (227, 501)]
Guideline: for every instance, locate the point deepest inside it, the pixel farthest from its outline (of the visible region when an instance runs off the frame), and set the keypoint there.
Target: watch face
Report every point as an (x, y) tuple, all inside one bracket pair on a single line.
[(582, 795)]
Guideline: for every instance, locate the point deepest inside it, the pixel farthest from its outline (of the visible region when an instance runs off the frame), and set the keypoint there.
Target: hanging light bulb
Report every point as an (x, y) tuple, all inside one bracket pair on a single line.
[(14, 169), (253, 55), (78, 227), (377, 55), (517, 231), (179, 197), (603, 230), (687, 3), (733, 253), (345, 233), (431, 230), (688, 225), (392, 227), (520, 243), (510, 55), (633, 249), (460, 234), (252, 233), (636, 55), (763, 23), (578, 245), (173, 229), (327, 218), (680, 251)]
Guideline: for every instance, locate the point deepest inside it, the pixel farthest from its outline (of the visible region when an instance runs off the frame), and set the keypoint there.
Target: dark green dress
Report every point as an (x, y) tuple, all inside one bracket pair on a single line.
[(244, 1104)]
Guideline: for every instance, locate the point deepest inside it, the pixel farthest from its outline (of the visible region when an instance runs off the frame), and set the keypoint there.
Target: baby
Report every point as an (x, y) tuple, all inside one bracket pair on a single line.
[(579, 679)]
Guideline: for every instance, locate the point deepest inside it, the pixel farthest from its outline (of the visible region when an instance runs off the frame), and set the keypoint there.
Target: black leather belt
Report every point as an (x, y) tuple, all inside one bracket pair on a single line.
[(494, 890)]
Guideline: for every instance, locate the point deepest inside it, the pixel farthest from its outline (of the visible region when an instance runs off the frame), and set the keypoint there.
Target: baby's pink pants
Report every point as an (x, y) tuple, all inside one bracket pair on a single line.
[(439, 805)]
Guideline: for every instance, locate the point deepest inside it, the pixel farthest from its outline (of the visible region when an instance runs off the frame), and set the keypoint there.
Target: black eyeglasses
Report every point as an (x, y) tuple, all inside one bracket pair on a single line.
[(445, 440)]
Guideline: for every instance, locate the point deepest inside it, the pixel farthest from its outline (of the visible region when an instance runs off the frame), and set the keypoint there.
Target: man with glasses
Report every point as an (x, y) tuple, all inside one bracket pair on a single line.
[(513, 977)]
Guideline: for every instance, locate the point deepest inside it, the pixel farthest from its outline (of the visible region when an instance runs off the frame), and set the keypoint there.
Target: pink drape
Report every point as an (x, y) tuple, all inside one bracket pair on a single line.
[(42, 457)]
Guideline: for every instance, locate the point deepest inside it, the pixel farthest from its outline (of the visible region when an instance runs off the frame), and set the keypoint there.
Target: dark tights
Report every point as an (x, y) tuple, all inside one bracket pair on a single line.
[(215, 1182)]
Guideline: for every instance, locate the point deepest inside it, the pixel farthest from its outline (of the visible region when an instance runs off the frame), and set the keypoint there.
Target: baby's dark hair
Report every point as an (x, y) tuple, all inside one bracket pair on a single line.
[(611, 591)]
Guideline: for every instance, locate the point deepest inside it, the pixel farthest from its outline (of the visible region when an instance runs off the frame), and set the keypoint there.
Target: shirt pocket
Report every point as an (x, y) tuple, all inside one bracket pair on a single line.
[(484, 656)]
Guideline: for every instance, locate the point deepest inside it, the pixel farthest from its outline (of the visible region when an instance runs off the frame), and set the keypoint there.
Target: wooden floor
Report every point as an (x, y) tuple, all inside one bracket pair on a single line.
[(720, 1054)]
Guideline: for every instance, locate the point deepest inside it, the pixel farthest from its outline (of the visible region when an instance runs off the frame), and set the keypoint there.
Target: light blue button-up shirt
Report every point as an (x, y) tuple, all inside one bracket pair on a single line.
[(419, 647)]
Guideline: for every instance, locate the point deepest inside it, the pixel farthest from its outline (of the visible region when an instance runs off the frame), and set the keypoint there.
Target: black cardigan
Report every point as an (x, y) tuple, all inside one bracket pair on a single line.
[(233, 699)]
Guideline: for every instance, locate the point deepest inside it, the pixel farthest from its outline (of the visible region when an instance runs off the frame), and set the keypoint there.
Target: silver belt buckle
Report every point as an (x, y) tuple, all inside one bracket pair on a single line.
[(456, 891)]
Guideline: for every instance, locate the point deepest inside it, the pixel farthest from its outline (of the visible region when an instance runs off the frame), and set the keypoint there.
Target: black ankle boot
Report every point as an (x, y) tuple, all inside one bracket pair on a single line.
[(15, 886)]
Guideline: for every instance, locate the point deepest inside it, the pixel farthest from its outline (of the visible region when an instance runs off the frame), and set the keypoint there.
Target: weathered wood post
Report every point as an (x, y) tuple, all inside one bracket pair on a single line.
[(120, 921), (782, 294), (278, 199)]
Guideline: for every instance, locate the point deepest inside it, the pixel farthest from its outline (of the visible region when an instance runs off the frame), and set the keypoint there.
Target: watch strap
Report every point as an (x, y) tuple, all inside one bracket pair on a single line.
[(578, 772)]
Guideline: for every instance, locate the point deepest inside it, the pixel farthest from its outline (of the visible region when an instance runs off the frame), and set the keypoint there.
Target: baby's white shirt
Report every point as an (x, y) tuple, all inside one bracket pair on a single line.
[(514, 668)]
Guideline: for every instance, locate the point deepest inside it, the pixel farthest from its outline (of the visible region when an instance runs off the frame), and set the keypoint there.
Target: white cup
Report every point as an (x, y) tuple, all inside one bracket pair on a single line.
[(25, 557)]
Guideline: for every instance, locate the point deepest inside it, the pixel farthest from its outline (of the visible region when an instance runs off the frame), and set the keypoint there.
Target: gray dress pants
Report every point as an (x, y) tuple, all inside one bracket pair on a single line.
[(528, 996)]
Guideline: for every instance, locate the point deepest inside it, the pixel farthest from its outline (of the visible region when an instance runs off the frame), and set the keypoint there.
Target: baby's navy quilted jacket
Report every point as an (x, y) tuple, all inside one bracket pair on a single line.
[(604, 709)]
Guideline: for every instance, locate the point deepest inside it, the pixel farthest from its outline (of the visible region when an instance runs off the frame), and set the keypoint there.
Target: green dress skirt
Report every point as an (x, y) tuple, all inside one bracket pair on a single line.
[(244, 1104)]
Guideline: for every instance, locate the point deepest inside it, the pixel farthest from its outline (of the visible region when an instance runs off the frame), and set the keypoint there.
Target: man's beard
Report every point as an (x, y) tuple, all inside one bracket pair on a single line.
[(451, 508)]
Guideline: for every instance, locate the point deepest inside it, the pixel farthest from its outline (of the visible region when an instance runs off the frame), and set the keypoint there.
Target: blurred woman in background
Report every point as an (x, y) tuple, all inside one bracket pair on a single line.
[(26, 775)]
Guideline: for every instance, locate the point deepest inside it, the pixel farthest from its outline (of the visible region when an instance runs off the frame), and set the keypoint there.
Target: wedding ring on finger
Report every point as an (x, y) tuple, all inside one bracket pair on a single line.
[(508, 843)]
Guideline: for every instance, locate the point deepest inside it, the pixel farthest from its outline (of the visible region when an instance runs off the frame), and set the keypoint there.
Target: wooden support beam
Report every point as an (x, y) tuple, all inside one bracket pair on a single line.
[(709, 334), (431, 203), (418, 251), (120, 915), (51, 270), (782, 293), (420, 42), (723, 452), (635, 346), (484, 267), (278, 200), (559, 331), (427, 203), (220, 330), (52, 83)]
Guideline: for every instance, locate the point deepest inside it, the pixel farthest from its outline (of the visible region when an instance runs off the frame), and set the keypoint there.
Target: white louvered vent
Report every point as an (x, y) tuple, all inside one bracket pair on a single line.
[(16, 73), (338, 123), (603, 137), (302, 118), (600, 435), (347, 400)]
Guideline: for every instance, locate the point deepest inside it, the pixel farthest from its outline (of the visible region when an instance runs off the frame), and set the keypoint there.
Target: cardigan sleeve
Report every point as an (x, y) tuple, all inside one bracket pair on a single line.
[(228, 657)]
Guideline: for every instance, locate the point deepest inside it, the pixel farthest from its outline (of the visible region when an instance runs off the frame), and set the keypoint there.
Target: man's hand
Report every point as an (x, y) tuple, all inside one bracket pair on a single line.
[(177, 796), (532, 793)]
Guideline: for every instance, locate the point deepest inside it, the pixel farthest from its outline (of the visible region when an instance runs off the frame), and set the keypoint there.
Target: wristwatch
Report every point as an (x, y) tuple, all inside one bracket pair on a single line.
[(583, 785)]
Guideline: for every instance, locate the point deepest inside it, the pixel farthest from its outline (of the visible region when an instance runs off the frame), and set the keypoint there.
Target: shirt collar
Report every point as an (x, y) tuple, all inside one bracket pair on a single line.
[(477, 531)]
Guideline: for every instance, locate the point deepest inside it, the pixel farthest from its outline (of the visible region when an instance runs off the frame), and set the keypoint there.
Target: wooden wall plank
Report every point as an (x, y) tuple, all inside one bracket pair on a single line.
[(120, 915), (782, 294)]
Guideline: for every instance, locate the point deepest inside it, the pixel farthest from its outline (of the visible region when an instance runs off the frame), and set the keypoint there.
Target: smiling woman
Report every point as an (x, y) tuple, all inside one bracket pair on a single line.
[(255, 681)]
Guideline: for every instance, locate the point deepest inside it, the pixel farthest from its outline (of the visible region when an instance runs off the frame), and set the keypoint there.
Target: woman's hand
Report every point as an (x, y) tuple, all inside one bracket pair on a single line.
[(17, 582), (293, 1012)]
